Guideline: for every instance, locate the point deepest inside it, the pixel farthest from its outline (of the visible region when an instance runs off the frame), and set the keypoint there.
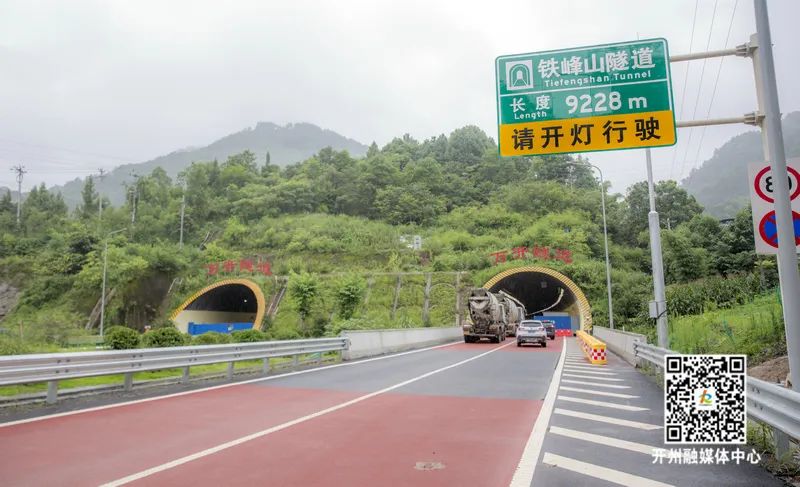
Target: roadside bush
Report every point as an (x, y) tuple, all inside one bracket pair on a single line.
[(122, 338), (163, 337), (712, 293), (247, 336), (211, 338), (12, 346)]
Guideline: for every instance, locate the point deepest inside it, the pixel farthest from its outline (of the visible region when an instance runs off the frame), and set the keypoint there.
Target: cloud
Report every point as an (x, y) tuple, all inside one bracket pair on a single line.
[(139, 79)]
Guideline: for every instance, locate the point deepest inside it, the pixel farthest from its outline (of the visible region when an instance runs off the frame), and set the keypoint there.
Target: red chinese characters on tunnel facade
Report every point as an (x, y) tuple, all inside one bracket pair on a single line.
[(535, 252), (242, 266)]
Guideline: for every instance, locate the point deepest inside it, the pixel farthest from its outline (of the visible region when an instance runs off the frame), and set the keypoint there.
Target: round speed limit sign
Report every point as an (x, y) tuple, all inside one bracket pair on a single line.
[(765, 184)]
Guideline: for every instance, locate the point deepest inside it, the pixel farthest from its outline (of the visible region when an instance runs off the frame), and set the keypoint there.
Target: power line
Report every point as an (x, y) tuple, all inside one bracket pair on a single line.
[(685, 80), (716, 81), (699, 87), (65, 149)]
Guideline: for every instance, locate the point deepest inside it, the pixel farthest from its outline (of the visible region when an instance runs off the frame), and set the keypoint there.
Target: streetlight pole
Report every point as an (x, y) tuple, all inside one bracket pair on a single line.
[(103, 292), (658, 264), (605, 239)]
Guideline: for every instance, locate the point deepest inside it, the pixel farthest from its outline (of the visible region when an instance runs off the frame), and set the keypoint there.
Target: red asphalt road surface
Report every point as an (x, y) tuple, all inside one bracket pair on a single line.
[(447, 434)]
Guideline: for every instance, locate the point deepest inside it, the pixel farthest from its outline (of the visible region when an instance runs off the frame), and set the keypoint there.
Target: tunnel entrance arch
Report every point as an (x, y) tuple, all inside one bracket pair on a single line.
[(224, 302), (538, 288)]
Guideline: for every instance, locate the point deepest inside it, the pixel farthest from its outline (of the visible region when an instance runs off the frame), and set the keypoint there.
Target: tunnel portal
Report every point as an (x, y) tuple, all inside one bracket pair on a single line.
[(228, 305), (544, 291)]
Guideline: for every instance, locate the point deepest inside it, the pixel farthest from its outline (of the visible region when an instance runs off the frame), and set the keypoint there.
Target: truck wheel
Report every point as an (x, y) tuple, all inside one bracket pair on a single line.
[(519, 344), (544, 344)]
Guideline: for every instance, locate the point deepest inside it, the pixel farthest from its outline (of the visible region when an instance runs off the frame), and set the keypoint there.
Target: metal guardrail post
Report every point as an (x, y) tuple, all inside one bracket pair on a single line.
[(265, 366), (781, 443), (52, 391), (128, 381), (185, 376), (229, 374), (295, 360)]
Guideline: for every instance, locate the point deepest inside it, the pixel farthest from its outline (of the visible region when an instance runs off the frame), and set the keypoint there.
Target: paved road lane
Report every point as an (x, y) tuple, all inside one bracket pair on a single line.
[(418, 418)]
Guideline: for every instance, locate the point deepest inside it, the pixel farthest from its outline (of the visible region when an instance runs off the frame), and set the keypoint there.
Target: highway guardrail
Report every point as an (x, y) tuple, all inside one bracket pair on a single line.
[(54, 367), (593, 349), (767, 403)]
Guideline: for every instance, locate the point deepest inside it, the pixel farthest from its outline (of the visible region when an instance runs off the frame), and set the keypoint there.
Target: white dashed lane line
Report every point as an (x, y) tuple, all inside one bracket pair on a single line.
[(581, 376), (606, 419), (595, 384), (603, 440), (602, 404), (584, 371), (599, 472), (598, 378), (598, 393)]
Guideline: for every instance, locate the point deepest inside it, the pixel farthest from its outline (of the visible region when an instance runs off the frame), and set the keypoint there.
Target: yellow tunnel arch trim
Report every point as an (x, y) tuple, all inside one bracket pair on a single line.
[(583, 304), (261, 302)]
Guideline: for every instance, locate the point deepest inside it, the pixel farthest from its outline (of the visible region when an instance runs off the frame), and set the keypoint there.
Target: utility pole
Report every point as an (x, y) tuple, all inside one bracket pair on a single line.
[(772, 137), (20, 170), (659, 311), (183, 209), (100, 176), (133, 192)]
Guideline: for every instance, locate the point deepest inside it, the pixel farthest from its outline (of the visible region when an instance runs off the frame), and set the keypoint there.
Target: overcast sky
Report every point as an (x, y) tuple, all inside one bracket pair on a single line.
[(96, 84)]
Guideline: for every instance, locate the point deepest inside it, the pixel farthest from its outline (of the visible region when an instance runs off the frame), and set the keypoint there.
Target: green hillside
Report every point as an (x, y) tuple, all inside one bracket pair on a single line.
[(720, 184), (331, 227)]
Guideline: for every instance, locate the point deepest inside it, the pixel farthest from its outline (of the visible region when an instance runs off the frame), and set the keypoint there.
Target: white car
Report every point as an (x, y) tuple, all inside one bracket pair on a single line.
[(531, 331)]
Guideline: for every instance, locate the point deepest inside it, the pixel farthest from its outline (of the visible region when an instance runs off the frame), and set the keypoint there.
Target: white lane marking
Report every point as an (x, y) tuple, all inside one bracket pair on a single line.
[(603, 440), (523, 475), (230, 444), (603, 404), (602, 473), (583, 375), (599, 393), (595, 384), (584, 370), (221, 386), (606, 419)]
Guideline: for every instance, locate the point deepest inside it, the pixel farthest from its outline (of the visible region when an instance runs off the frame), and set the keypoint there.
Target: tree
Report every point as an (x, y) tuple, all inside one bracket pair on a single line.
[(89, 200), (349, 295), (410, 204), (673, 203), (467, 145), (682, 261), (304, 290)]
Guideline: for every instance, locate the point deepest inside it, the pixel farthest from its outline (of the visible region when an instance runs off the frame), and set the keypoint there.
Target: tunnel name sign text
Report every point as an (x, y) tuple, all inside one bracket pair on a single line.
[(607, 97)]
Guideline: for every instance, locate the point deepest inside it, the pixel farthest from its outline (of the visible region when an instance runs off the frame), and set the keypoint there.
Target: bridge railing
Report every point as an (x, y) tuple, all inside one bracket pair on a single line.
[(54, 367), (767, 403)]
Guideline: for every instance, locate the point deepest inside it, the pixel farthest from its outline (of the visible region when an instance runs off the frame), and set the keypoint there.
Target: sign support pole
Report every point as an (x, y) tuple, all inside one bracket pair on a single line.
[(655, 254), (772, 134)]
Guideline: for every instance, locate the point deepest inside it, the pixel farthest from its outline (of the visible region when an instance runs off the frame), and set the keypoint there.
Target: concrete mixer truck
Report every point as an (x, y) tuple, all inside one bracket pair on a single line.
[(492, 316)]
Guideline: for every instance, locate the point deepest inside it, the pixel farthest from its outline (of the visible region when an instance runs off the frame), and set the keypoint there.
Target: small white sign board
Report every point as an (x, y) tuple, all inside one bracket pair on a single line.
[(761, 197)]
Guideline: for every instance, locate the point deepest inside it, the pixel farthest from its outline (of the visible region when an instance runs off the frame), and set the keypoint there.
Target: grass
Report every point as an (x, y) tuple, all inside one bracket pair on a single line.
[(755, 328), (14, 390)]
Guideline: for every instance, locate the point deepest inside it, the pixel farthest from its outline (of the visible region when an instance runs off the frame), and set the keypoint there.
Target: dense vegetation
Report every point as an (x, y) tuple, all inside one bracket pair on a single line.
[(343, 217)]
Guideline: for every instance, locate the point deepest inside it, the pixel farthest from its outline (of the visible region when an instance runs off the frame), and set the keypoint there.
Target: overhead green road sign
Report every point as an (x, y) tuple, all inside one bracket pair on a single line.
[(612, 96)]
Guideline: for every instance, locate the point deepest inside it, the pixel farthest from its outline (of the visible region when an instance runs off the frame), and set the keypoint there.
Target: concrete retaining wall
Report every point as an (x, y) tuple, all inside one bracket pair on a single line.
[(368, 343), (619, 342)]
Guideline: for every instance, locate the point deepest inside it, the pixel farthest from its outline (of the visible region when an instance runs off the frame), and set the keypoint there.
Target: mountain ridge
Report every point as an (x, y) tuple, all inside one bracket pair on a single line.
[(720, 183), (285, 144)]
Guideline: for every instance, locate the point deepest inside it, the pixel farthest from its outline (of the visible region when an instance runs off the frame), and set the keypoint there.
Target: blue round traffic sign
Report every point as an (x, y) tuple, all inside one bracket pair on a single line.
[(769, 229)]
